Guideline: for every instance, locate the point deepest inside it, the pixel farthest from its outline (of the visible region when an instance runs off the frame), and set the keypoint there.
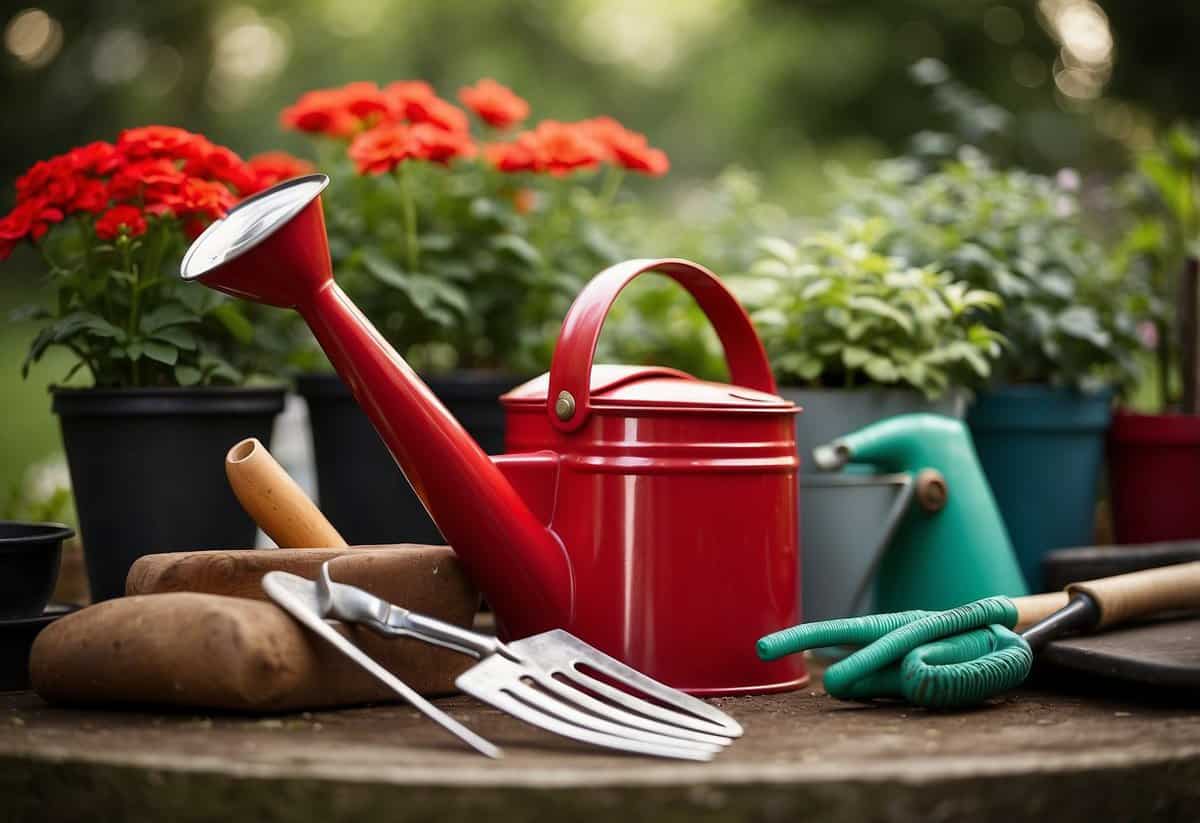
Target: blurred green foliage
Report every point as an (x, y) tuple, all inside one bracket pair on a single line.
[(129, 321), (834, 310), (1066, 315), (1162, 229), (781, 88), (491, 263)]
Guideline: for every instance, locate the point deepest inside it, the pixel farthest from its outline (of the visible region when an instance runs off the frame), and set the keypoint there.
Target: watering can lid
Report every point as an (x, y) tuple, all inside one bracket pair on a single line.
[(638, 387)]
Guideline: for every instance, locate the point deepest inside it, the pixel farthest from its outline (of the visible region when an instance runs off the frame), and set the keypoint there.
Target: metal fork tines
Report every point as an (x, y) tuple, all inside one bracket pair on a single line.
[(544, 681)]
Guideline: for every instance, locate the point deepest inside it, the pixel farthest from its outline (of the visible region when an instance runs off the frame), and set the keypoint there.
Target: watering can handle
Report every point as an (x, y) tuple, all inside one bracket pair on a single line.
[(569, 398)]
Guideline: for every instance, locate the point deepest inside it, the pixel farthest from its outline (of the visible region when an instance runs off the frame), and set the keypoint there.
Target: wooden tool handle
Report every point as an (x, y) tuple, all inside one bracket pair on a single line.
[(275, 501), (1035, 608), (1138, 594)]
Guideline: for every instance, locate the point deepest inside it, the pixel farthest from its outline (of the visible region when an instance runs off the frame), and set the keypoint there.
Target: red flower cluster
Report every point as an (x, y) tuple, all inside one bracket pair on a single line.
[(274, 167), (494, 103), (384, 147), (408, 121), (154, 170), (357, 107), (118, 219), (560, 148)]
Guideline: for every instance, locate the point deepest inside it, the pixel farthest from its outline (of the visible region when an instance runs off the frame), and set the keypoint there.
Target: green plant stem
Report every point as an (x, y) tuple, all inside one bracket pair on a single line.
[(134, 304), (613, 178), (410, 218)]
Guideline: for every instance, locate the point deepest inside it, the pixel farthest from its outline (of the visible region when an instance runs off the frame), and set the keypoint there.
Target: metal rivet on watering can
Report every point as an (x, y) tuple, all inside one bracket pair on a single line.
[(932, 491), (564, 406)]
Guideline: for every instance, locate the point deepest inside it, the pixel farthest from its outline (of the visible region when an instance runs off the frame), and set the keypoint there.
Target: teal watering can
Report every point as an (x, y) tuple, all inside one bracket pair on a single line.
[(948, 545)]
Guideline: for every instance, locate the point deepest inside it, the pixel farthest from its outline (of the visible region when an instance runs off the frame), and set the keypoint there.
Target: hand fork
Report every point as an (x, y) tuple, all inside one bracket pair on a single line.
[(549, 680)]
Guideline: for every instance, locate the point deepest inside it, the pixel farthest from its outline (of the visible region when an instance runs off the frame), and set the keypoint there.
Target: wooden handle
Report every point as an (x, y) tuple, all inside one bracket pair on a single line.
[(1035, 608), (277, 504), (1138, 594)]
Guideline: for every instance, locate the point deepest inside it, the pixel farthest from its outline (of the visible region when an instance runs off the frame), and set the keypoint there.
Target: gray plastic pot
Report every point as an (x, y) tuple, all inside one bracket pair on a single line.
[(847, 519), (846, 524)]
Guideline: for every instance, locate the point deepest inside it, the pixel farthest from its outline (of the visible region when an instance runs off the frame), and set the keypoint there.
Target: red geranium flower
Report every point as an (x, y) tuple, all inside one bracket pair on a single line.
[(204, 199), (118, 220), (495, 104), (403, 92), (417, 102), (98, 158), (52, 181), (567, 147), (321, 112), (440, 146), (626, 148), (220, 163), (275, 167), (554, 147), (437, 112), (383, 148), (364, 101), (522, 154), (90, 196), (31, 219), (153, 181), (161, 141)]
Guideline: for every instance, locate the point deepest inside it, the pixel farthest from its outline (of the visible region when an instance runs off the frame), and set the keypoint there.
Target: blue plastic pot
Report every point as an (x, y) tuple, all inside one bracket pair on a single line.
[(1042, 448)]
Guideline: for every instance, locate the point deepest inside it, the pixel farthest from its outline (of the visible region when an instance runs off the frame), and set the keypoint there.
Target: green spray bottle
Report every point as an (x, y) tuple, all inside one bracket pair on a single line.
[(951, 547)]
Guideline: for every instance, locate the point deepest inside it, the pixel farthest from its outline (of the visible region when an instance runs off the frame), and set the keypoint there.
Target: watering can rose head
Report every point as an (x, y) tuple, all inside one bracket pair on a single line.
[(468, 222), (109, 220)]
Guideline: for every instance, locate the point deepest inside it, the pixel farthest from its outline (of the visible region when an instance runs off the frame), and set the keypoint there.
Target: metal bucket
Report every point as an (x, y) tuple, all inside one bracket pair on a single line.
[(846, 524)]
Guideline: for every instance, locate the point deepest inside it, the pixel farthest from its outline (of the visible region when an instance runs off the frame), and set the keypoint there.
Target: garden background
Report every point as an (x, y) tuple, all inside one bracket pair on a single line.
[(783, 90)]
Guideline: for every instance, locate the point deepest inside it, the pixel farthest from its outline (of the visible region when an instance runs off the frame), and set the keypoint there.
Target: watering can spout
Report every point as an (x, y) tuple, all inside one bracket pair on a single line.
[(273, 249)]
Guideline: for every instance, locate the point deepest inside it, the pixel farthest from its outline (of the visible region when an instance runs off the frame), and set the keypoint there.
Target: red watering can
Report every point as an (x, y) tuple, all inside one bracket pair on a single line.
[(650, 513)]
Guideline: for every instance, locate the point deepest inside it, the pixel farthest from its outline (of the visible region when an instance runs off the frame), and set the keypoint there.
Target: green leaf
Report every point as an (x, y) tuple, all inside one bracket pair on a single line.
[(876, 306), (171, 314), (177, 336), (778, 248), (853, 356), (882, 370), (187, 375), (518, 247), (384, 270), (230, 315), (1082, 322), (162, 352)]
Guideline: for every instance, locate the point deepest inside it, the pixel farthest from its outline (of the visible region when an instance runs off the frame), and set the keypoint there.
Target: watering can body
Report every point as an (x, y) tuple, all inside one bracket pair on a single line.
[(650, 513), (951, 546)]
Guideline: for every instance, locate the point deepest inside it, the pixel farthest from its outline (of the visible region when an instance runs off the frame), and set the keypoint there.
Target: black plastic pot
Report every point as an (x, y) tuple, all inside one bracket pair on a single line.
[(359, 486), (148, 471), (29, 557), (16, 641)]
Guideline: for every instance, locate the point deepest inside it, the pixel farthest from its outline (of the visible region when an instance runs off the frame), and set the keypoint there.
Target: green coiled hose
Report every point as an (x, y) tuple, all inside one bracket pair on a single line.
[(935, 659)]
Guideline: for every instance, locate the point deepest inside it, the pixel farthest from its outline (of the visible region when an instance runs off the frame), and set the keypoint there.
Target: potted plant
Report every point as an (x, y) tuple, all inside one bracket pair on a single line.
[(1039, 427), (170, 366), (1154, 458), (856, 335), (464, 244)]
